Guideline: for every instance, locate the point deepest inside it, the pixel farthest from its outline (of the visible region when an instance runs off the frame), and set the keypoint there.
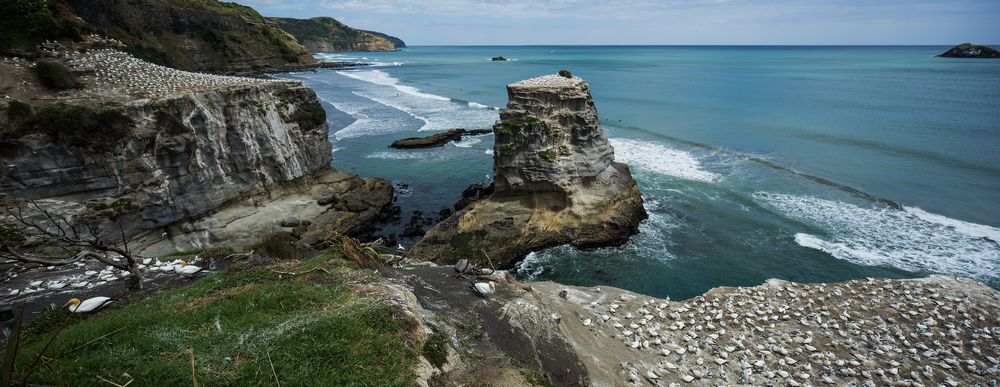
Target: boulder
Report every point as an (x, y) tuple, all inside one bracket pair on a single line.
[(555, 182)]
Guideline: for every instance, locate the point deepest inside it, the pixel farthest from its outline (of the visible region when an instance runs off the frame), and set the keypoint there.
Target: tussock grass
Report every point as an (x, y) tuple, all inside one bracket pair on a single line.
[(313, 328)]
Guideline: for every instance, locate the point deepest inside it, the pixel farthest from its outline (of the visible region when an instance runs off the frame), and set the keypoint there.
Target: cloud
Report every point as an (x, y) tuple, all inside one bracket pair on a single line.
[(660, 21)]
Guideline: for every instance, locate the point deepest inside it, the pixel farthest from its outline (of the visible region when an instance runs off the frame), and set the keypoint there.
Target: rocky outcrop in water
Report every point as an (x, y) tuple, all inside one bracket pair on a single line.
[(555, 182), (969, 50), (437, 139)]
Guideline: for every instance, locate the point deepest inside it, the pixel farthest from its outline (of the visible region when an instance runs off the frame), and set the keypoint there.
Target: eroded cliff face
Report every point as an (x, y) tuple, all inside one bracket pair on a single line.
[(193, 156), (555, 180)]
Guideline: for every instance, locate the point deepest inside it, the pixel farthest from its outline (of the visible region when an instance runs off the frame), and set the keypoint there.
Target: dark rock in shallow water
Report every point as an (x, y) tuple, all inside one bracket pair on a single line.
[(437, 139), (969, 50), (290, 222), (499, 59)]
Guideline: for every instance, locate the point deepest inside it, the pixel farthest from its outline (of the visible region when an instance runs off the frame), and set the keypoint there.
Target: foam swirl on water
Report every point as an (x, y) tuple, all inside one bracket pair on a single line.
[(909, 239), (659, 158)]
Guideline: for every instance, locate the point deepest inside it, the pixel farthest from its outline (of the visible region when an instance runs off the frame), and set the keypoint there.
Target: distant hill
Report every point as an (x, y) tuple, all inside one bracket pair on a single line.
[(325, 34), (199, 35)]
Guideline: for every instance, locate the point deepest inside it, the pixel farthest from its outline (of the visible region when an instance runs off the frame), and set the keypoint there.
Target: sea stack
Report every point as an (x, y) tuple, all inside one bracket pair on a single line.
[(555, 182)]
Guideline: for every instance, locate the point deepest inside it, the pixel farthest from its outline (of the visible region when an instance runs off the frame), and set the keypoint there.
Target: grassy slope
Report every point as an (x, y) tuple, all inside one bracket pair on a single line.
[(194, 34), (26, 23), (315, 329)]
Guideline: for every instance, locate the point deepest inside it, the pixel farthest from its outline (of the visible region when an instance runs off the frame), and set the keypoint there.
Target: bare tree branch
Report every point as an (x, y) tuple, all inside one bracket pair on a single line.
[(59, 232)]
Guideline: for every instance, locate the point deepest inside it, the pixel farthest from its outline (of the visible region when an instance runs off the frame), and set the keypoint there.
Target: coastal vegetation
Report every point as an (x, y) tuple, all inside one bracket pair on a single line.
[(54, 75), (325, 34), (296, 323), (24, 24), (310, 116), (81, 126)]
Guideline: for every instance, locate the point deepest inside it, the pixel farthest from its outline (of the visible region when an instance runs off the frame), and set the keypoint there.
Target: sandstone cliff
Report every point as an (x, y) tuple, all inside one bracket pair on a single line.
[(325, 34), (209, 160), (555, 179)]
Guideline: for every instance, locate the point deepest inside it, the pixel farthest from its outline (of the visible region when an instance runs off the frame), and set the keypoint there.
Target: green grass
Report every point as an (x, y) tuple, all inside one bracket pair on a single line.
[(314, 328), (435, 349)]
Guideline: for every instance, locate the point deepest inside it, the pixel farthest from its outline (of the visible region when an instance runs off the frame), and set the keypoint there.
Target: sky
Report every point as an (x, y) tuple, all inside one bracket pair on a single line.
[(640, 22)]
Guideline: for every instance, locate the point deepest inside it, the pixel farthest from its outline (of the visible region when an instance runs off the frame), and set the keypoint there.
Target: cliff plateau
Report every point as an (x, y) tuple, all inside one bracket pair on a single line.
[(555, 181), (210, 159)]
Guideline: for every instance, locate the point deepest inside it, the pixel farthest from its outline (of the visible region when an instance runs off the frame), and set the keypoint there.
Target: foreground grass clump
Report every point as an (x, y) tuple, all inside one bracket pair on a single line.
[(311, 326)]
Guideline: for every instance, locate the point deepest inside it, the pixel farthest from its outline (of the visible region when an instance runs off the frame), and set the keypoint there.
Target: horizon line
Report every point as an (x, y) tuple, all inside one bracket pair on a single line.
[(694, 45)]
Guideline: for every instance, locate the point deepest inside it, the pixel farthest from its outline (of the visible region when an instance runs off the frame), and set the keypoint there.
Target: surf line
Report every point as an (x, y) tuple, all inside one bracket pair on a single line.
[(773, 165)]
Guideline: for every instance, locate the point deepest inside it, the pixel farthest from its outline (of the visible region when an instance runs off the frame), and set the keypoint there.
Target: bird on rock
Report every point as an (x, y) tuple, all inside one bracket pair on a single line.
[(88, 305), (484, 289)]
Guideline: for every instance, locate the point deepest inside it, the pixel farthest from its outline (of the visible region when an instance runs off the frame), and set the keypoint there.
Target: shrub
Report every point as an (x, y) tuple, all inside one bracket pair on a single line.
[(565, 73), (54, 75), (435, 350), (310, 117), (82, 126), (281, 246), (18, 111)]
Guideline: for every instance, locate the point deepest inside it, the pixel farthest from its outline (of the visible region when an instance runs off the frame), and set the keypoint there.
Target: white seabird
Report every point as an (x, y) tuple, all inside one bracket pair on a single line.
[(184, 268), (484, 289), (88, 305)]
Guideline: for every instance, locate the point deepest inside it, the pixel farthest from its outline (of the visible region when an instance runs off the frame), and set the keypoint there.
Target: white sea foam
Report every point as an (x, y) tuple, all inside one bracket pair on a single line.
[(436, 112), (531, 266), (660, 158), (365, 123), (652, 242), (478, 105), (467, 142), (382, 78), (908, 239), (972, 229)]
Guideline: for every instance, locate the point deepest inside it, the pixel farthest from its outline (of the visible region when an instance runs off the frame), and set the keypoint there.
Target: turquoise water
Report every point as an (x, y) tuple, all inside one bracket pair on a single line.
[(802, 163)]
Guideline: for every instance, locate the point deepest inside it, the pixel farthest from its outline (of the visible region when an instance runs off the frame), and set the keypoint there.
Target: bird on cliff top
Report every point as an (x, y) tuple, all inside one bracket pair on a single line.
[(484, 289), (88, 305), (184, 268)]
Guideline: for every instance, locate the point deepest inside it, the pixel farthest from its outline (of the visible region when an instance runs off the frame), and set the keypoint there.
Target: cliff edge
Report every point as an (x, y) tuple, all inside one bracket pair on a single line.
[(555, 180), (198, 160)]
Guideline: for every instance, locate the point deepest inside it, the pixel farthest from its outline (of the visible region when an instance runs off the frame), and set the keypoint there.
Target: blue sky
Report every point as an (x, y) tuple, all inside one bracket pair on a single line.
[(516, 22)]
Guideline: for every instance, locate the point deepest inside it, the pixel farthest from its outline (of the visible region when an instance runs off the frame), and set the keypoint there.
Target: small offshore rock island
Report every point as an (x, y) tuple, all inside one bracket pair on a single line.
[(160, 226), (555, 182)]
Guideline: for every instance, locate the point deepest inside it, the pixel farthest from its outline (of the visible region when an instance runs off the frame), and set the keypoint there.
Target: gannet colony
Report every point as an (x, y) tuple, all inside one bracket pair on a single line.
[(113, 72)]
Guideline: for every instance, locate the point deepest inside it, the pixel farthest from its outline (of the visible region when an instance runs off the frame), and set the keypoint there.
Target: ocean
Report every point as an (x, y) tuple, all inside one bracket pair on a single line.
[(809, 164)]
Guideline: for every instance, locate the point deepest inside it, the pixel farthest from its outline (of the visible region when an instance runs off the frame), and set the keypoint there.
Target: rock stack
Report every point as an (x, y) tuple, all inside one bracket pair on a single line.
[(555, 180)]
